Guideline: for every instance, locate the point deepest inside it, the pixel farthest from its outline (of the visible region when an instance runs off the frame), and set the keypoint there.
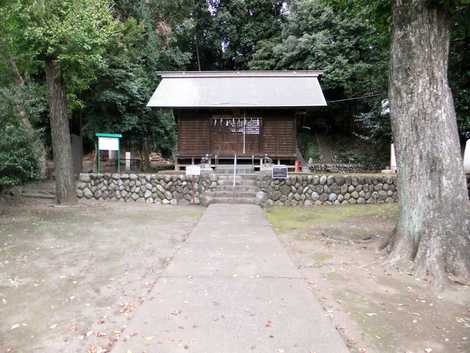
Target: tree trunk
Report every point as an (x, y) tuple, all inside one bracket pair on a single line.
[(145, 155), (432, 233), (60, 131)]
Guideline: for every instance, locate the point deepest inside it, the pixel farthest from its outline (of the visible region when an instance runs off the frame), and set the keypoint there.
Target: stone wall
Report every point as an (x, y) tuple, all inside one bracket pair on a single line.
[(150, 188), (344, 168), (297, 190), (309, 190)]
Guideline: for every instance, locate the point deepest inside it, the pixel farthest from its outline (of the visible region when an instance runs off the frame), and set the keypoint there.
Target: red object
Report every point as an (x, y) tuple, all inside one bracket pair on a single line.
[(298, 166)]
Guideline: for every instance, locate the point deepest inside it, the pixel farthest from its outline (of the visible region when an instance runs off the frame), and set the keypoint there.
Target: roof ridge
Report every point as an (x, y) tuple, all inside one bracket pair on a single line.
[(243, 73)]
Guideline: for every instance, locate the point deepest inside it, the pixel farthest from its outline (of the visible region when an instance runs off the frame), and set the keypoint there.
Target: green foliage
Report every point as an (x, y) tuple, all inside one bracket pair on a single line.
[(19, 146), (459, 69), (74, 33), (32, 98), (307, 146), (316, 36), (378, 15), (117, 101), (110, 53), (241, 24), (18, 157)]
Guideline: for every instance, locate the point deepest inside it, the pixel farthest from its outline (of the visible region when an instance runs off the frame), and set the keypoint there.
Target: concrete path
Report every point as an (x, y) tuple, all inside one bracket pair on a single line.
[(231, 289)]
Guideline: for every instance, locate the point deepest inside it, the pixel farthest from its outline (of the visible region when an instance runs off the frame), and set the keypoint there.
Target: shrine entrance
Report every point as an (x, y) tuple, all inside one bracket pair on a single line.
[(231, 135)]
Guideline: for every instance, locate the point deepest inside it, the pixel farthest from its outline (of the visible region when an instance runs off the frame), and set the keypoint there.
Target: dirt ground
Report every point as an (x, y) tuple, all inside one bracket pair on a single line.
[(71, 277), (336, 249)]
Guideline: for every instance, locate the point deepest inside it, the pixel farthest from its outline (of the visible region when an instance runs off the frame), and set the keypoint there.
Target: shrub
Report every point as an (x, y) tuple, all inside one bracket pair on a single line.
[(18, 156)]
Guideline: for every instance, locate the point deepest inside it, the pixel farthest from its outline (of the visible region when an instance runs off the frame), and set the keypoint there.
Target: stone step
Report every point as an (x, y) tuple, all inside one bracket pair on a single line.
[(234, 200), (39, 187), (238, 188), (237, 177), (38, 195), (246, 183), (232, 194), (229, 167)]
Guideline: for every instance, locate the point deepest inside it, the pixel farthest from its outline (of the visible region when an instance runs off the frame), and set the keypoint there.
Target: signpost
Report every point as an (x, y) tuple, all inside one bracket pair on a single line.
[(280, 172), (108, 142)]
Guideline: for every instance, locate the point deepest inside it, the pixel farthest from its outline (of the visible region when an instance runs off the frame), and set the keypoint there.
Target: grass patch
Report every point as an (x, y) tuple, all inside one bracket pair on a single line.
[(290, 218)]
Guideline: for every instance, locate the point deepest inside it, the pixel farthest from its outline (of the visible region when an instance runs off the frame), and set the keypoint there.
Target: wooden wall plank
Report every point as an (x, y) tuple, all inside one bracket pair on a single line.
[(277, 135)]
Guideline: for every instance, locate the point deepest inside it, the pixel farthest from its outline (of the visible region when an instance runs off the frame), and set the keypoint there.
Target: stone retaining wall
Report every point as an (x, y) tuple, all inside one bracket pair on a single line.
[(297, 190), (309, 190), (344, 168), (150, 188)]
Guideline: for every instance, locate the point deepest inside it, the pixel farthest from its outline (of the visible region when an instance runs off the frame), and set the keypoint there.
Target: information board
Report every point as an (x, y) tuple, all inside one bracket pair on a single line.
[(108, 144), (280, 172)]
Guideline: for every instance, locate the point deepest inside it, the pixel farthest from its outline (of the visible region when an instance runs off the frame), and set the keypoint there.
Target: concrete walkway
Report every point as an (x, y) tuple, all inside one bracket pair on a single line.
[(231, 289)]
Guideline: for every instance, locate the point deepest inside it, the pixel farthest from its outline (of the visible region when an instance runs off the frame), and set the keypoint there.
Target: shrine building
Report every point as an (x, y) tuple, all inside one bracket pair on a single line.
[(237, 115)]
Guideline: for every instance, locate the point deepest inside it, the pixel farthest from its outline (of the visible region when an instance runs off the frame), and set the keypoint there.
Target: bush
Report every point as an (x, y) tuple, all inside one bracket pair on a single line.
[(307, 146), (18, 156)]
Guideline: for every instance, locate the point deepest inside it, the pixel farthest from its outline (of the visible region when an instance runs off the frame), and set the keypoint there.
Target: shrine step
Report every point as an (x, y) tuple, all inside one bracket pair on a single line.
[(234, 200), (246, 183), (38, 195), (39, 190), (245, 180), (231, 194), (220, 169), (238, 188)]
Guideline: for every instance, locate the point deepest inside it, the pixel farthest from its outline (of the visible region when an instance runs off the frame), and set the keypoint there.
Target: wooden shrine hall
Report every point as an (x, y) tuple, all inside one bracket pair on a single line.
[(237, 115)]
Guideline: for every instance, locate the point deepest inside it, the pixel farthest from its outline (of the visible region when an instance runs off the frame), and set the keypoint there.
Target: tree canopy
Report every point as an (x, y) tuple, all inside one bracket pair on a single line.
[(110, 52)]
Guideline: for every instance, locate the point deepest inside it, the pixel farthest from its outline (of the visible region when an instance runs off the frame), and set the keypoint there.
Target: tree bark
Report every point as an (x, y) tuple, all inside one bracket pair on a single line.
[(60, 131), (146, 155), (432, 234)]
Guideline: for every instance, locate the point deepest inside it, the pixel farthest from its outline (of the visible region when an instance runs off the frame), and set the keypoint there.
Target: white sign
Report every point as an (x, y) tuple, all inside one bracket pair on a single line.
[(128, 161), (193, 170), (108, 144), (393, 160), (466, 157)]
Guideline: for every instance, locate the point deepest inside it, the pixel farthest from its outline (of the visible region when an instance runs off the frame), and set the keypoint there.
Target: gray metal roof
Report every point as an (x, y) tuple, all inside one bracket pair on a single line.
[(221, 89)]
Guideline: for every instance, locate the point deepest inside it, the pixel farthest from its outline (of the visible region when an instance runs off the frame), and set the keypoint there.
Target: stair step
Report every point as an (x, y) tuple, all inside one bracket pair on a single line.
[(238, 177), (234, 200), (252, 183), (232, 194), (238, 188), (38, 195)]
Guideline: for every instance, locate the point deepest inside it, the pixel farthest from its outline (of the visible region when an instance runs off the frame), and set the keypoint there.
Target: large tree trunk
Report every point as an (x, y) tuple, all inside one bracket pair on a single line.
[(60, 131), (432, 233)]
